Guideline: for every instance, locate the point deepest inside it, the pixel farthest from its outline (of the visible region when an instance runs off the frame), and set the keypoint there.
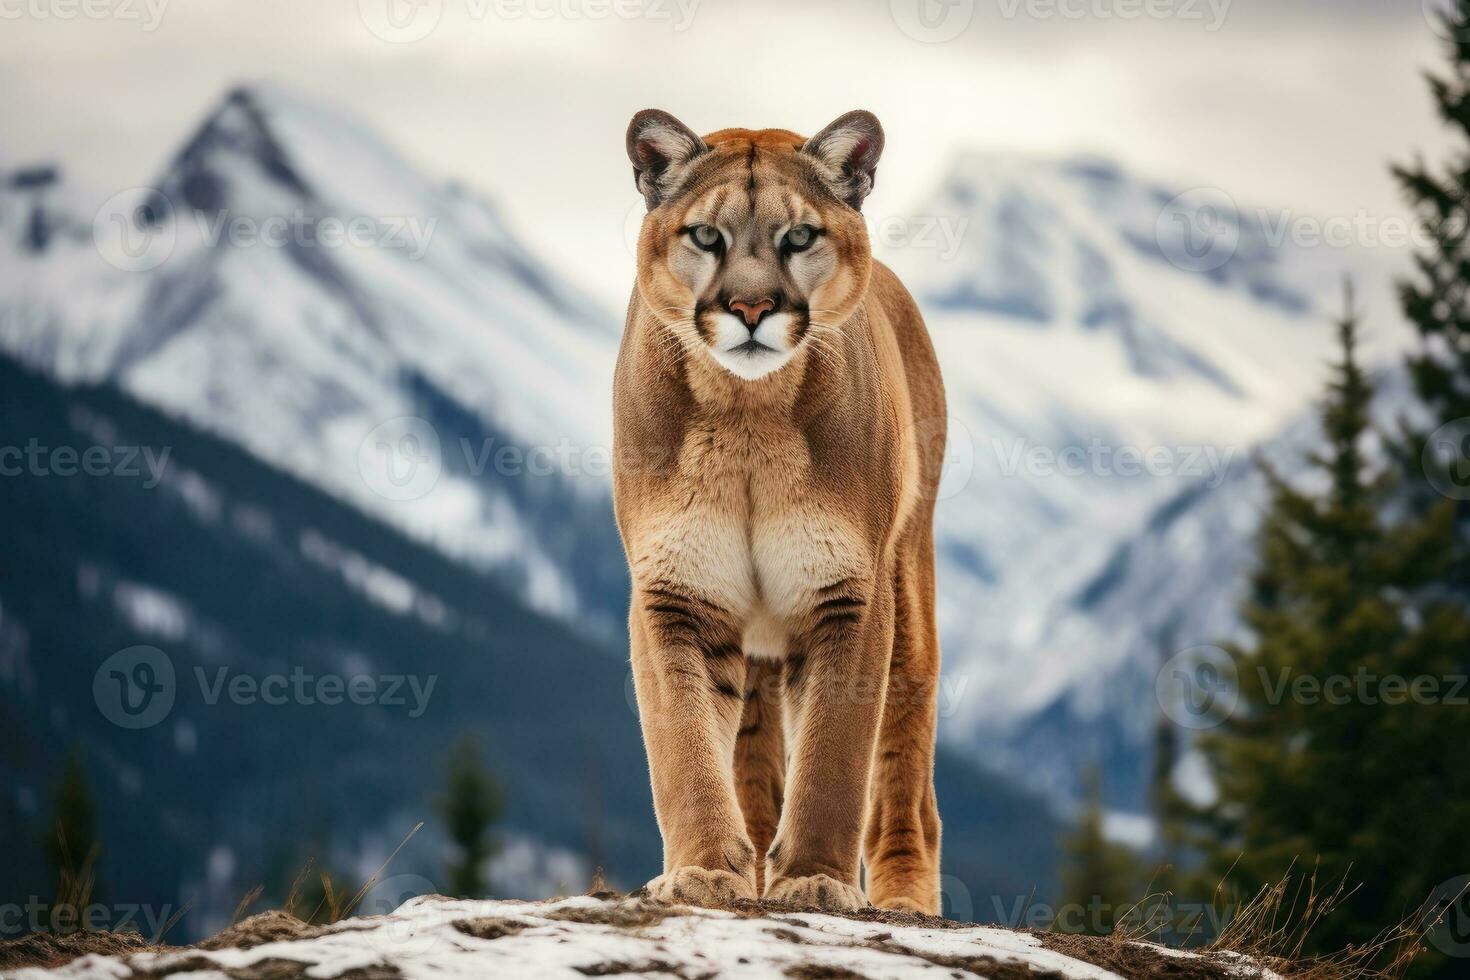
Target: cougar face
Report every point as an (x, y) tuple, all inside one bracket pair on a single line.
[(752, 245)]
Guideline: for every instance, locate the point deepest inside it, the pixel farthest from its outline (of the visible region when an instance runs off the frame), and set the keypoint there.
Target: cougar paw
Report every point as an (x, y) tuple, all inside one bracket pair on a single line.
[(901, 904), (704, 887), (817, 892)]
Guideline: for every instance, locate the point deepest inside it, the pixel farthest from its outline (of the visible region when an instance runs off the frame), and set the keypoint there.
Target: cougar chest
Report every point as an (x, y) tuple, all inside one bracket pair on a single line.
[(746, 527)]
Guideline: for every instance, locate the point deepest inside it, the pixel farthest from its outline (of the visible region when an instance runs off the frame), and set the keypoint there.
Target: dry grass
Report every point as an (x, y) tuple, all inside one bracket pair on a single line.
[(1273, 928)]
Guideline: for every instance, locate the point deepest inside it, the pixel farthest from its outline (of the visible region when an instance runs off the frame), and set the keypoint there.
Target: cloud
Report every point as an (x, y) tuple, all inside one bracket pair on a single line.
[(1296, 103)]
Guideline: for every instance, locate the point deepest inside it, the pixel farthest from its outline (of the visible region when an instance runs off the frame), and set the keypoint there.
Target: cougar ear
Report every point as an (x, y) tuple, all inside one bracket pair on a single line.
[(848, 150), (658, 145)]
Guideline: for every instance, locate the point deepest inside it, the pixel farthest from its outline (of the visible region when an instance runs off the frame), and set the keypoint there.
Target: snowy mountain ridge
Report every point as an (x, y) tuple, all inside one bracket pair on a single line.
[(303, 346), (1105, 368)]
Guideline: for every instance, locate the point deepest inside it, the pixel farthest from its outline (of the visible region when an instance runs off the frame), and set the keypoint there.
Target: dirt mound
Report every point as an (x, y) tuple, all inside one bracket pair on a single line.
[(603, 935)]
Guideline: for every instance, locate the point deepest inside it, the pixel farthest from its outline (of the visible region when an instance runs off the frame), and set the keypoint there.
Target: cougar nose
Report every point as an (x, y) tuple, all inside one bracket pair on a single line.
[(752, 312)]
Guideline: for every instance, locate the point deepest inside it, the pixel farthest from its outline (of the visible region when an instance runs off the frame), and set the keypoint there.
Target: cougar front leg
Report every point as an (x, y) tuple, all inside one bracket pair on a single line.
[(689, 673), (901, 843), (760, 759), (834, 674)]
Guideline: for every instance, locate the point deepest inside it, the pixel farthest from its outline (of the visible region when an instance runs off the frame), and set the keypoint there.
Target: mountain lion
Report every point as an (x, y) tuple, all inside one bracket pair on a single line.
[(780, 425)]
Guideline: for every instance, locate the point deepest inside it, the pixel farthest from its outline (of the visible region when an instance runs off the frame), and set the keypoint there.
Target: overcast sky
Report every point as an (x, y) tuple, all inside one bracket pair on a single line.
[(1284, 103)]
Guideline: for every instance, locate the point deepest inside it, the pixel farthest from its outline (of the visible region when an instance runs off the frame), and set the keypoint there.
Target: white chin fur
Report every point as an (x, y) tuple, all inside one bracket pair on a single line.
[(730, 332)]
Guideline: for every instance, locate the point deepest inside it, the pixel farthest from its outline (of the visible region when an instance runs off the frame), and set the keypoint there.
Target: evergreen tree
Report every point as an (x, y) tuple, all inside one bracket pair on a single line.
[(472, 803), (1100, 879), (1325, 764), (70, 841), (1436, 301), (1170, 811)]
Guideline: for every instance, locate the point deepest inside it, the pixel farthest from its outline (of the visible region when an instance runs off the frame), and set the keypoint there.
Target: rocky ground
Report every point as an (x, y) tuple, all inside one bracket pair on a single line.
[(609, 936)]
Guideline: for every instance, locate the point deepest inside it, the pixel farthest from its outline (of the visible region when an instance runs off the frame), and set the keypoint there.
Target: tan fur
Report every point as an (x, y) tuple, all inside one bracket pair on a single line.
[(779, 535)]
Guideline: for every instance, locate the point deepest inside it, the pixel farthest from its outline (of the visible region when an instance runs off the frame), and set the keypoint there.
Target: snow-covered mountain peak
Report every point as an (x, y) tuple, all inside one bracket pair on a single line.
[(291, 282), (294, 284)]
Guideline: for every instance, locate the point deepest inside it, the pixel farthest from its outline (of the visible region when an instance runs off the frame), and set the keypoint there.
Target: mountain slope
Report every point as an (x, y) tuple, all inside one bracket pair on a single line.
[(294, 285), (1103, 372), (231, 572)]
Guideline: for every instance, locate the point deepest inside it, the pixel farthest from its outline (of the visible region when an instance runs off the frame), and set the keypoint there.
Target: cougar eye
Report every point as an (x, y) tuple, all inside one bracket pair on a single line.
[(706, 237), (799, 239)]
